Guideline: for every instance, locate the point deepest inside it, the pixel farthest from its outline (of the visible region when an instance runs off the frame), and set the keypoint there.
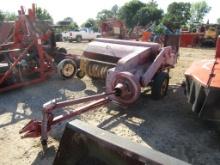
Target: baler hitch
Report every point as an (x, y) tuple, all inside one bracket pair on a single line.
[(37, 128)]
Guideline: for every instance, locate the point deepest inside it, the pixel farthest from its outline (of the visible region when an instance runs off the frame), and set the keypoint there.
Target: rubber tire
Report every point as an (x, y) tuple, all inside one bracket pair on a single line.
[(78, 38), (157, 85), (61, 65), (80, 74), (62, 50)]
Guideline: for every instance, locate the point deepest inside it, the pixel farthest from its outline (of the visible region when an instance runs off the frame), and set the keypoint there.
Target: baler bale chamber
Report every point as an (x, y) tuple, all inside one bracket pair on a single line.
[(82, 144), (103, 54)]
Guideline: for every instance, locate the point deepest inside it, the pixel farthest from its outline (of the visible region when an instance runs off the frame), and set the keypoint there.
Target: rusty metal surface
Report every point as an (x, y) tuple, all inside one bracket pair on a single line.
[(83, 144)]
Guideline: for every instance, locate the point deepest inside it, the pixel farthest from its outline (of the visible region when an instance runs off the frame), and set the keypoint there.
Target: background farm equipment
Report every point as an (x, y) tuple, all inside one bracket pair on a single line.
[(203, 86), (138, 65), (29, 54), (204, 35)]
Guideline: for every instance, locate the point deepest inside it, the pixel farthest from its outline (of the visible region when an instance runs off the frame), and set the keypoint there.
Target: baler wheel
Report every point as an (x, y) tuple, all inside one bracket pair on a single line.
[(160, 85), (67, 68), (62, 50), (131, 83)]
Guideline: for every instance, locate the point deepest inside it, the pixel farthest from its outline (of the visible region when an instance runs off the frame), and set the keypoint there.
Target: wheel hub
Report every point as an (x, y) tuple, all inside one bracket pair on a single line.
[(68, 70)]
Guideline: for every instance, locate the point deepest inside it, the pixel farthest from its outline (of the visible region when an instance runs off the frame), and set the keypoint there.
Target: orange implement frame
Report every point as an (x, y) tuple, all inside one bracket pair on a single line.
[(207, 72), (203, 86), (27, 38)]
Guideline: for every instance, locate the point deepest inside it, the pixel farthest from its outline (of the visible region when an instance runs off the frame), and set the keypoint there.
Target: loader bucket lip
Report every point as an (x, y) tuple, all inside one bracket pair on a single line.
[(201, 70), (109, 141)]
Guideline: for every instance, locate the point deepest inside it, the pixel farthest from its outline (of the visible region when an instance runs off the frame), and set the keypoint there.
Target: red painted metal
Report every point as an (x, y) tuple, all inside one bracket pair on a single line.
[(40, 128), (190, 39), (28, 37), (203, 86), (207, 72)]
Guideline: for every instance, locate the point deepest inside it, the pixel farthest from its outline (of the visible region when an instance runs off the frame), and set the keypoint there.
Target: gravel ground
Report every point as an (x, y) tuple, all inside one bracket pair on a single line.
[(167, 125)]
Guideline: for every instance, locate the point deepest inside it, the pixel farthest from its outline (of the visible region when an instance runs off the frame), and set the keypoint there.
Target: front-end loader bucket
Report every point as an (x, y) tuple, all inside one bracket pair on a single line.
[(82, 144)]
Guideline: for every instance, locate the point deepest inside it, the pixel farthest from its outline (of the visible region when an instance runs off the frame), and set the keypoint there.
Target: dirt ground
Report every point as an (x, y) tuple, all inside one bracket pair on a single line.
[(167, 125)]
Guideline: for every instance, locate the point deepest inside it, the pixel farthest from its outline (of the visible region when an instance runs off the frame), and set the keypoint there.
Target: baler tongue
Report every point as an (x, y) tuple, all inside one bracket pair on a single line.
[(31, 130)]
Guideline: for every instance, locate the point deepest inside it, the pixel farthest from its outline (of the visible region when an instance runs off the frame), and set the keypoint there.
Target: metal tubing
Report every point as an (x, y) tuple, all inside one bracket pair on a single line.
[(58, 119), (159, 61), (52, 105), (88, 107), (81, 100), (15, 63)]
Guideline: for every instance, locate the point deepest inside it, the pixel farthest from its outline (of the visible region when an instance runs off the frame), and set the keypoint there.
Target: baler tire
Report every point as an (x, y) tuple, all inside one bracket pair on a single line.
[(160, 85), (62, 50), (64, 66)]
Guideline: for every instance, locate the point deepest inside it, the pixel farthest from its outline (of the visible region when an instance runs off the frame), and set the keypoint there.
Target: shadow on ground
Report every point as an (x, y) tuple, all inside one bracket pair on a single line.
[(26, 103), (169, 126)]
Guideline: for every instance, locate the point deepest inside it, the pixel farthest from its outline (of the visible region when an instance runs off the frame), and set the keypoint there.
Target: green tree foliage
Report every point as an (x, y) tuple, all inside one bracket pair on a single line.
[(6, 16), (104, 15), (115, 11), (43, 14), (129, 11), (68, 24), (178, 14), (68, 19), (10, 16), (148, 14), (91, 23), (198, 11), (136, 13), (73, 26)]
